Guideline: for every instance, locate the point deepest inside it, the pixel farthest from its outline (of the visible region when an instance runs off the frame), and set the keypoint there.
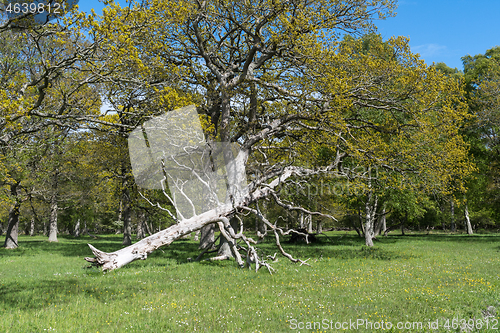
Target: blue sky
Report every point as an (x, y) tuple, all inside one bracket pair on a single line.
[(439, 30), (446, 30)]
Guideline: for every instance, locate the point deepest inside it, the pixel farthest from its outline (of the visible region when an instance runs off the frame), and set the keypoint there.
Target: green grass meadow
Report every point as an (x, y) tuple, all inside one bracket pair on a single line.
[(46, 287)]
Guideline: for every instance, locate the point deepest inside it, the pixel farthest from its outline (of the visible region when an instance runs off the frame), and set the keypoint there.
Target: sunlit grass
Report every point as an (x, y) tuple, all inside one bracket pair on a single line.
[(47, 287)]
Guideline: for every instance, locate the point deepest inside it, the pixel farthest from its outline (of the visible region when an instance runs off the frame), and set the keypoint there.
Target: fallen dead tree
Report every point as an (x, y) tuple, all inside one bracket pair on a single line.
[(206, 184), (219, 215)]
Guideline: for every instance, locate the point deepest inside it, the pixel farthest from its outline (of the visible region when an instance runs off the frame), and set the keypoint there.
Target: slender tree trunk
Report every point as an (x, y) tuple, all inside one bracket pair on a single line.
[(32, 226), (309, 224), (370, 217), (12, 227), (13, 221), (76, 231), (85, 229), (53, 218), (319, 227), (126, 206), (467, 220), (147, 226), (207, 237), (453, 225), (141, 226), (127, 222), (353, 220), (381, 224)]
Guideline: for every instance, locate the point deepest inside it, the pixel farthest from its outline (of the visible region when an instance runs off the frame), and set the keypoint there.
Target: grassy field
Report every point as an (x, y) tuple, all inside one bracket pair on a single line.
[(433, 280)]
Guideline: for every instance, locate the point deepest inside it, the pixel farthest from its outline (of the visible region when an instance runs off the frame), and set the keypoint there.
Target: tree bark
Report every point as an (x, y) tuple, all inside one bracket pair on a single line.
[(370, 217), (225, 246), (32, 226), (127, 222), (319, 227), (353, 223), (207, 237), (76, 231), (384, 220), (12, 227), (467, 220), (381, 224), (301, 225), (309, 224), (141, 225), (53, 218), (13, 221)]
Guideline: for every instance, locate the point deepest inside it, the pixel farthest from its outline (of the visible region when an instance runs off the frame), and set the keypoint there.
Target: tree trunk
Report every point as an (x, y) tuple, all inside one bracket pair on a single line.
[(85, 229), (53, 218), (225, 248), (32, 226), (141, 226), (370, 217), (453, 225), (353, 223), (76, 232), (125, 206), (13, 221), (319, 227), (207, 237), (381, 224), (127, 223), (467, 220), (309, 224), (12, 227)]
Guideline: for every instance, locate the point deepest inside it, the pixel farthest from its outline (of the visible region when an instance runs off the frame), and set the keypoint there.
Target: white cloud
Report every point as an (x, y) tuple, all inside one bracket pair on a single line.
[(429, 50)]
